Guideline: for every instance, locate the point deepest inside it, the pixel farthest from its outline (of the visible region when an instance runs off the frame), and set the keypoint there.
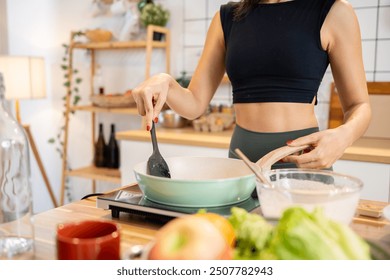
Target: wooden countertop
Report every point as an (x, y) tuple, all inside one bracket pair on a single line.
[(365, 149), (138, 231), (182, 136)]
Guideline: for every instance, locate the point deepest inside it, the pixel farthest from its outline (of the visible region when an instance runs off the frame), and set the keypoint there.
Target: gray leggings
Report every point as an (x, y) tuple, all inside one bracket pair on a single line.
[(257, 144)]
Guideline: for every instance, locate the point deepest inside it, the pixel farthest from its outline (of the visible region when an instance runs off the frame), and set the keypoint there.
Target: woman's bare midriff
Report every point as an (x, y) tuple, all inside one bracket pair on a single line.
[(275, 117)]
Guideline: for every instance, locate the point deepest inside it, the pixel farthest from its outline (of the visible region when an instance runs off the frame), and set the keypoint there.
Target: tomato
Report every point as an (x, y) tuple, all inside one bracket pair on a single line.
[(223, 225)]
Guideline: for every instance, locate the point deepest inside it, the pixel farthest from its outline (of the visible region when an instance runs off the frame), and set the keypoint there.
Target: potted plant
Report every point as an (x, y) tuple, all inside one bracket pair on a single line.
[(154, 14), (142, 3)]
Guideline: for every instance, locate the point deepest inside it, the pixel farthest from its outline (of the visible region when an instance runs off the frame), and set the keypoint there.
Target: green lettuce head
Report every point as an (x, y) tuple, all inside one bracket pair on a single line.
[(300, 235)]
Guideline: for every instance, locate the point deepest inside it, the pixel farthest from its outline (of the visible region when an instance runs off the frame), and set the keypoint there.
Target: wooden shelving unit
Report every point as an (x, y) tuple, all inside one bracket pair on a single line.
[(118, 45), (92, 172), (95, 173), (95, 109)]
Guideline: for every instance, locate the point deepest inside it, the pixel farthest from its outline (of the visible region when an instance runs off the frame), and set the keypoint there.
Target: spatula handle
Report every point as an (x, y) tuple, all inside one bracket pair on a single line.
[(269, 159), (255, 168), (154, 138)]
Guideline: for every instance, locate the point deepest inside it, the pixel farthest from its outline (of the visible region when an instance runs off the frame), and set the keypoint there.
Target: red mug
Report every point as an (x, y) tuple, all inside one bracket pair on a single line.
[(88, 240)]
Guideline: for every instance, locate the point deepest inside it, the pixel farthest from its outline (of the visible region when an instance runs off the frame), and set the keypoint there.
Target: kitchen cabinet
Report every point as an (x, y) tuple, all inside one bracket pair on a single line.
[(375, 177), (92, 172)]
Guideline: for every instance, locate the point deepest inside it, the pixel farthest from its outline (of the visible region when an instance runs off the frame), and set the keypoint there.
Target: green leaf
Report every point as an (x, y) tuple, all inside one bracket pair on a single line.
[(76, 99), (78, 80), (51, 141), (312, 236), (67, 84), (252, 233), (64, 67), (75, 71)]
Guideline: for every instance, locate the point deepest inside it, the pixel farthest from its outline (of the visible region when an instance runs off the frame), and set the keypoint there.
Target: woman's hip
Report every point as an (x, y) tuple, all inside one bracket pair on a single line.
[(257, 144)]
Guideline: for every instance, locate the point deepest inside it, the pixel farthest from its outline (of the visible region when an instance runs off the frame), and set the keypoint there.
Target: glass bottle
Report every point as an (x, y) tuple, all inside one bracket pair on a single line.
[(113, 150), (16, 227), (100, 149)]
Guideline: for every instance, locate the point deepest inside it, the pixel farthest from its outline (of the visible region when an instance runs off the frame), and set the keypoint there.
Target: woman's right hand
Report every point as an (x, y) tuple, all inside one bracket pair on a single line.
[(151, 96)]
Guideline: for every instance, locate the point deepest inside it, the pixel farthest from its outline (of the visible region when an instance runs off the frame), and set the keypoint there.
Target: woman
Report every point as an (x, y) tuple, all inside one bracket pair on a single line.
[(275, 54)]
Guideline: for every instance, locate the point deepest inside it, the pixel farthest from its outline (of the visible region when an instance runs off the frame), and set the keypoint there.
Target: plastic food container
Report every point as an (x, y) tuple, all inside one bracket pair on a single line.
[(336, 193)]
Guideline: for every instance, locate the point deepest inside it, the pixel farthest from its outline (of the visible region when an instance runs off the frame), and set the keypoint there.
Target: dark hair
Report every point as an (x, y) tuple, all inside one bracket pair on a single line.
[(243, 8)]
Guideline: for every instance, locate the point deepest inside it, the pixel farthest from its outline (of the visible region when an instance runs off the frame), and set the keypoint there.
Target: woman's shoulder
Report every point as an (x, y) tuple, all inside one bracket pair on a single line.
[(342, 23), (342, 6), (229, 7), (230, 4), (342, 12)]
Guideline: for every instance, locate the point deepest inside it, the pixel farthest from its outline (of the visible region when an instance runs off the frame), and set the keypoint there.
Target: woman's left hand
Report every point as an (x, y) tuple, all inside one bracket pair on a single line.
[(325, 148)]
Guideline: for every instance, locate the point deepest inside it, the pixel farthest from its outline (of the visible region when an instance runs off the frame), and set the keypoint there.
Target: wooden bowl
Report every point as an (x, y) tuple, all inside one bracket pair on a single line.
[(98, 35)]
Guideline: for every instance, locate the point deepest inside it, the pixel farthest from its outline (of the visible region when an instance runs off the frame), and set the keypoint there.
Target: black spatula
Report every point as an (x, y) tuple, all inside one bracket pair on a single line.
[(157, 166)]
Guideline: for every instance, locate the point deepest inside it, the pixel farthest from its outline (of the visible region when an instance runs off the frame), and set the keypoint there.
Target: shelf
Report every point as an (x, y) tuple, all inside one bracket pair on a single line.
[(91, 172), (95, 109), (118, 45), (96, 173)]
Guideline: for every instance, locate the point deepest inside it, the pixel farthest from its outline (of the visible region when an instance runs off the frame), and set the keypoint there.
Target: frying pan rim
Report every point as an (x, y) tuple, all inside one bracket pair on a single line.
[(195, 181)]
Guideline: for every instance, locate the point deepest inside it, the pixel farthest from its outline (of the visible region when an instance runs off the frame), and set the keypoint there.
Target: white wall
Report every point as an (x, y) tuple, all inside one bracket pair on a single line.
[(40, 27)]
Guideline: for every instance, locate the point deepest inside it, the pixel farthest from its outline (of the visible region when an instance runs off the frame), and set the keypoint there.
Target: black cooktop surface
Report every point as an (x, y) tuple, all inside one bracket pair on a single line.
[(131, 201)]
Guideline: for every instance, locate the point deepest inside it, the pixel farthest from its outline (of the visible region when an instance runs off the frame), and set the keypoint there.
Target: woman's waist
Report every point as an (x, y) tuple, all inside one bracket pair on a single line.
[(275, 117)]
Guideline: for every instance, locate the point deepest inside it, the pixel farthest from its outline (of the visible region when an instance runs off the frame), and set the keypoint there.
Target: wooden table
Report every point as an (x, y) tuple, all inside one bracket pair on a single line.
[(136, 231)]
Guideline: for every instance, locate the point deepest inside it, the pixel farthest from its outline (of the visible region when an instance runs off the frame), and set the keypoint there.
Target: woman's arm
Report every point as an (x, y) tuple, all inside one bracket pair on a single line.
[(192, 102), (340, 36)]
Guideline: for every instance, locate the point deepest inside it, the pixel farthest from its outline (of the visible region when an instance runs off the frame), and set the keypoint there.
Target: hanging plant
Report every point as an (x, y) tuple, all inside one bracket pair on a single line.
[(75, 99)]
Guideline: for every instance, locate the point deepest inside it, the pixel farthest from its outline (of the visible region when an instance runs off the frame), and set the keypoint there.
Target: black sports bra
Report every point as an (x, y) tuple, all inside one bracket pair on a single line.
[(274, 54)]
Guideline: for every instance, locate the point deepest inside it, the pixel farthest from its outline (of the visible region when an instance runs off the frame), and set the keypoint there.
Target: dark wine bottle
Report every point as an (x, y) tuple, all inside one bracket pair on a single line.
[(100, 149), (113, 150)]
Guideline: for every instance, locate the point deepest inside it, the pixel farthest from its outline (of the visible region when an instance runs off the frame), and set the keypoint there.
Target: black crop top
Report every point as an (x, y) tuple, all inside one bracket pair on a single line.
[(274, 54)]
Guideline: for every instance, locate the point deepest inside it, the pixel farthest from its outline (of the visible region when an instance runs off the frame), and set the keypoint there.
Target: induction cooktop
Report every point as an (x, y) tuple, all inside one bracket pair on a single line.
[(133, 202)]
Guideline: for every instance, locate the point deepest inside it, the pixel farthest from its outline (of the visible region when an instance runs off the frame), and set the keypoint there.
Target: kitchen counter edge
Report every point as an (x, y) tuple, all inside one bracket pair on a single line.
[(375, 150)]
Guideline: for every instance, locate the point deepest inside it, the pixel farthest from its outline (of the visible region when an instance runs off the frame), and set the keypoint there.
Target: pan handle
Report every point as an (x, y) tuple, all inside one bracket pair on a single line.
[(269, 159)]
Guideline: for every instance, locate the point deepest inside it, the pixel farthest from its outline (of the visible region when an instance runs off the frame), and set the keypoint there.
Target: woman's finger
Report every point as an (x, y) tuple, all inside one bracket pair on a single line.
[(310, 139), (141, 107), (159, 101), (148, 105)]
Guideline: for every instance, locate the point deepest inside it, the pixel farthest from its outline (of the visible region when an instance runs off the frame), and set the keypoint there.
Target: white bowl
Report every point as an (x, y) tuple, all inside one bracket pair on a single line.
[(336, 193)]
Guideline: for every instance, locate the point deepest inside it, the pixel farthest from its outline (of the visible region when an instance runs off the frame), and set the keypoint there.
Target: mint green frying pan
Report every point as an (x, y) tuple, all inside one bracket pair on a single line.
[(198, 182)]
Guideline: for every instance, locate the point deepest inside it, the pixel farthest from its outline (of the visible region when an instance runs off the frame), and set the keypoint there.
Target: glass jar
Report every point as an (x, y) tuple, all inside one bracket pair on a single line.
[(16, 227)]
